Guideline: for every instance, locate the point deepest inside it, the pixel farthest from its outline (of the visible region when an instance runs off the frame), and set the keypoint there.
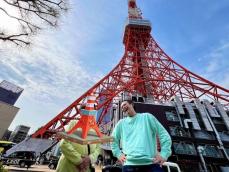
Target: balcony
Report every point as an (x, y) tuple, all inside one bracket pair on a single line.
[(211, 151), (139, 22), (184, 148)]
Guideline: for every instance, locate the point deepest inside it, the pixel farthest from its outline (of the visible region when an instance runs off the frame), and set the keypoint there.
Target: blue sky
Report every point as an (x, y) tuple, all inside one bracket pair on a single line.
[(64, 62)]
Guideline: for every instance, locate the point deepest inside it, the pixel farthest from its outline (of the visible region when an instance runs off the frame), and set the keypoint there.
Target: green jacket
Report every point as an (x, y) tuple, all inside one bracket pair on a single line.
[(72, 152)]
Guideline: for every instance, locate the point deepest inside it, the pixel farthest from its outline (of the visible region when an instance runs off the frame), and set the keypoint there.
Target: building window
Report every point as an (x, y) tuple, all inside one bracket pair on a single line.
[(224, 135), (184, 148), (211, 151), (218, 121), (204, 135), (227, 150), (171, 116), (179, 131)]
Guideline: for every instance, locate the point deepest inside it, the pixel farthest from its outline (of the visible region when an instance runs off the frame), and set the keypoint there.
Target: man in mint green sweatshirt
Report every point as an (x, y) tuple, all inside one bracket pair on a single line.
[(137, 135)]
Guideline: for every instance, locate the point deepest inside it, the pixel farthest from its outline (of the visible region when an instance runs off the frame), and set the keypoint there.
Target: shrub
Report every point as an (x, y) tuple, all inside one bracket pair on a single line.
[(2, 169)]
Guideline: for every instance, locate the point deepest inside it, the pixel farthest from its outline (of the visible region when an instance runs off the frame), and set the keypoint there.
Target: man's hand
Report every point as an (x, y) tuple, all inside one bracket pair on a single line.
[(83, 166), (159, 160), (122, 158)]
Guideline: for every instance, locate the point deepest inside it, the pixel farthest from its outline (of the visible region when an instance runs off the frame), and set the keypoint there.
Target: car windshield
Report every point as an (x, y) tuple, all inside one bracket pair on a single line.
[(12, 155)]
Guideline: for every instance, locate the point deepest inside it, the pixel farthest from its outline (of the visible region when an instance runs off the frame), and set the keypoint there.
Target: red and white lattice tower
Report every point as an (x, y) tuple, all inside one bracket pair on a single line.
[(88, 118), (146, 70)]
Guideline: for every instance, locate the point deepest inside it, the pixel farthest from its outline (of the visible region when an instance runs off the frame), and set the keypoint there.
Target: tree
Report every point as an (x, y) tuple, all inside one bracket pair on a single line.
[(31, 16)]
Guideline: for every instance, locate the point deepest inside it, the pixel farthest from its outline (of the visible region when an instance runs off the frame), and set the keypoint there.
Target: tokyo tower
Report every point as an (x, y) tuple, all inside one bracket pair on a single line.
[(144, 70)]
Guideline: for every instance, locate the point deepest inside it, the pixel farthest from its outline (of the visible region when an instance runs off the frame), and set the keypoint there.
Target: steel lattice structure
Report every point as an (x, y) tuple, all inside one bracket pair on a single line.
[(146, 70)]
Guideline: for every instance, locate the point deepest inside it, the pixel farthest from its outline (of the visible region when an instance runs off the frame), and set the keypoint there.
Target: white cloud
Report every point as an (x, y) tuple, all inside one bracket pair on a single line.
[(48, 71), (52, 71), (218, 65), (51, 75)]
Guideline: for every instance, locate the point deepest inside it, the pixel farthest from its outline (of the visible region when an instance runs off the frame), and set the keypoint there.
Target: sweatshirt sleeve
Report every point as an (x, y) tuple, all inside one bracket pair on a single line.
[(68, 150), (93, 156), (164, 137), (116, 134)]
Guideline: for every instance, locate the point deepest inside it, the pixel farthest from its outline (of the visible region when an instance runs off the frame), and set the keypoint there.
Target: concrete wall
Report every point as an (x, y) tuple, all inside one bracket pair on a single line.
[(7, 114)]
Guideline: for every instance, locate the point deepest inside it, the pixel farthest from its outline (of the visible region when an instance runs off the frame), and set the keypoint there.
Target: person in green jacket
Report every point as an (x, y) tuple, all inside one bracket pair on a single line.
[(75, 157), (137, 134)]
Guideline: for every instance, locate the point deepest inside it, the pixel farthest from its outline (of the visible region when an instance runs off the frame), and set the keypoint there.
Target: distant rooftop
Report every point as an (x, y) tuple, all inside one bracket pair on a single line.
[(10, 87), (9, 93)]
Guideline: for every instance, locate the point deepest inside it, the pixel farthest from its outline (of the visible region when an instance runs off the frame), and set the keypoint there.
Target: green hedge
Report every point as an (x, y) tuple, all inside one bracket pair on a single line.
[(2, 169)]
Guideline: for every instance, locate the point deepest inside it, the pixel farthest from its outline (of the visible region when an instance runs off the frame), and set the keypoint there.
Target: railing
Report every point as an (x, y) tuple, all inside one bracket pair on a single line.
[(138, 22)]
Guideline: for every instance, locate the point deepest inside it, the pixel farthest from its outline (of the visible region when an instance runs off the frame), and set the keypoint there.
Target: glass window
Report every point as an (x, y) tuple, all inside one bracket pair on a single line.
[(212, 151), (12, 155), (190, 149), (227, 150), (20, 155), (184, 148), (224, 135), (171, 116), (204, 135), (179, 131)]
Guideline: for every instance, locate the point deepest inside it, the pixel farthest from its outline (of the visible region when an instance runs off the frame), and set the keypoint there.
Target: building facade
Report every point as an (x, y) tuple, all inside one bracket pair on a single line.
[(199, 132), (19, 134), (6, 135), (9, 94), (7, 114)]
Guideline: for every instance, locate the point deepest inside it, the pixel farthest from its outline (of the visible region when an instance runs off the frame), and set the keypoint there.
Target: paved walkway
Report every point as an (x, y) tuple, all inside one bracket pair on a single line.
[(36, 168)]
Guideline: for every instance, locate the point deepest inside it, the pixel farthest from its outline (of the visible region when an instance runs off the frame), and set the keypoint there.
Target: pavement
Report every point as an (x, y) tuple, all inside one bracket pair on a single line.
[(34, 168), (37, 168)]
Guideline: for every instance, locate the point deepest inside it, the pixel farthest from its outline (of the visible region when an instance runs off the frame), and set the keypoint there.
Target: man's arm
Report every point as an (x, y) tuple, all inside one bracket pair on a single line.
[(164, 137), (93, 156), (69, 152), (116, 134)]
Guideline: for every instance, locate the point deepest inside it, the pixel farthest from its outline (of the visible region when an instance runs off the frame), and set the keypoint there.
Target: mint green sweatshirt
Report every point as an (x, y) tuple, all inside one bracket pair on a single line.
[(137, 136)]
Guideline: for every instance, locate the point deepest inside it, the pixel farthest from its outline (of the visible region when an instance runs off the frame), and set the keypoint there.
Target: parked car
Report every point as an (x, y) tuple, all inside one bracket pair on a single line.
[(21, 158)]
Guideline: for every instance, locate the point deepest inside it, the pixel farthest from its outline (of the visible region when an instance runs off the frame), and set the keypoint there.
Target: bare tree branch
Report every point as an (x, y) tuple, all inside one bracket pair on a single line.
[(16, 39), (32, 16)]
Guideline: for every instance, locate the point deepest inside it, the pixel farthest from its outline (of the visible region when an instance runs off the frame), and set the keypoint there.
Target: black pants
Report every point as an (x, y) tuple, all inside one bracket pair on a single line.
[(142, 168)]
